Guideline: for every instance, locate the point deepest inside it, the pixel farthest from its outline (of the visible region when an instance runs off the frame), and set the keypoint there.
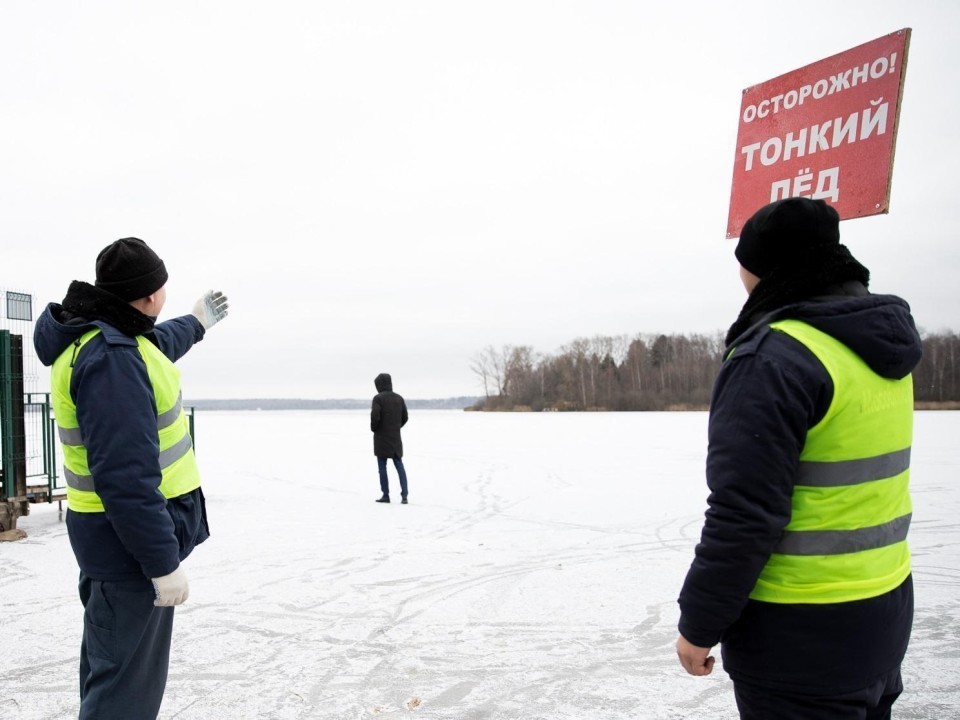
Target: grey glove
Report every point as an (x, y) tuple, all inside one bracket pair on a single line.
[(211, 309)]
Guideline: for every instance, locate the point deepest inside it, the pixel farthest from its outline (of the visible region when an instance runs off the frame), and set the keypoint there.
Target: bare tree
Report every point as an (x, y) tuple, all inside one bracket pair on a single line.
[(480, 366), (519, 374)]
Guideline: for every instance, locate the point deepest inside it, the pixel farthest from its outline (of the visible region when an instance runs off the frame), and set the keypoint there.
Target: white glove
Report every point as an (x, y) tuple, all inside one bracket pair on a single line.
[(172, 589), (211, 309)]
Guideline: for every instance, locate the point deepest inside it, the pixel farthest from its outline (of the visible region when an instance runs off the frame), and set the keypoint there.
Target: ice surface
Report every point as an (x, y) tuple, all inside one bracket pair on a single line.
[(534, 574)]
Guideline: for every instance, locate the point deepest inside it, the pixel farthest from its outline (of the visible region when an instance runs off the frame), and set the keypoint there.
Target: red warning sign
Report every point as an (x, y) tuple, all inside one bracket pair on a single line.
[(827, 130)]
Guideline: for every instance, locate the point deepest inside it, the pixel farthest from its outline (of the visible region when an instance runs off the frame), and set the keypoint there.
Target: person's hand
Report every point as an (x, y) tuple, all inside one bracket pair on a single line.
[(211, 309), (172, 589), (695, 660)]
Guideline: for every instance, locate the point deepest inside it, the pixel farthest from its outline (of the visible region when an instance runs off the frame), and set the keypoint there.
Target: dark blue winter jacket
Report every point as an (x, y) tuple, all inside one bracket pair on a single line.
[(768, 394), (140, 534)]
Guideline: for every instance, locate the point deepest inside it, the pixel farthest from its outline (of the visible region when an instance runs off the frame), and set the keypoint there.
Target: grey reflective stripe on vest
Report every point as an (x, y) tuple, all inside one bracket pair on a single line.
[(78, 482), (70, 436), (170, 416), (167, 458), (853, 472), (839, 542)]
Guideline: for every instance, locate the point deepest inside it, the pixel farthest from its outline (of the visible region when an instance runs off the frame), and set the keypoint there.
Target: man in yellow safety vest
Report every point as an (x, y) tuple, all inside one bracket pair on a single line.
[(802, 572), (135, 509)]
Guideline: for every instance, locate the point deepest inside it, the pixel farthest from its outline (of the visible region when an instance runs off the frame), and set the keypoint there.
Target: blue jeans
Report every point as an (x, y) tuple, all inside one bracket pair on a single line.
[(384, 485), (125, 650)]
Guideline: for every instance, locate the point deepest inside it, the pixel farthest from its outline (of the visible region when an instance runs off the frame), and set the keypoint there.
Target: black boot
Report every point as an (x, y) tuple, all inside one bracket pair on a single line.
[(403, 501), (384, 499)]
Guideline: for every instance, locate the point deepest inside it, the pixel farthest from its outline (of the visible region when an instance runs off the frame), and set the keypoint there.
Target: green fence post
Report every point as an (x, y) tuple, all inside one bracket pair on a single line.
[(49, 448), (6, 416)]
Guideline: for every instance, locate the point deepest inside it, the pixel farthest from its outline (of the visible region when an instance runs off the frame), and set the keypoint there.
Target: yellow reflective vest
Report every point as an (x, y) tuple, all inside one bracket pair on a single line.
[(178, 465), (847, 535)]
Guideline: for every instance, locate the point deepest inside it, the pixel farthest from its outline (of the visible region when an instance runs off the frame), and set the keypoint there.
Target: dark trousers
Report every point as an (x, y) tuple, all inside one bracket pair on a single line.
[(870, 703), (125, 650), (384, 485)]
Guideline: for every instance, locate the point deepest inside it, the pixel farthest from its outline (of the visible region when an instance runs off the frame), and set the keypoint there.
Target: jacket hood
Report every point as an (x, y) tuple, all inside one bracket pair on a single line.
[(878, 328), (84, 308), (383, 383), (51, 336)]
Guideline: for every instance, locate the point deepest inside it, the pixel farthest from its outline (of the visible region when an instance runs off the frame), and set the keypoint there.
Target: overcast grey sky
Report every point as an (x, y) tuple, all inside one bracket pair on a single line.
[(393, 186)]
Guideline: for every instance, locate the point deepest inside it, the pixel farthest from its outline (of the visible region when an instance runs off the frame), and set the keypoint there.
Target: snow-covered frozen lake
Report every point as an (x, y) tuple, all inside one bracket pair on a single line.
[(534, 574)]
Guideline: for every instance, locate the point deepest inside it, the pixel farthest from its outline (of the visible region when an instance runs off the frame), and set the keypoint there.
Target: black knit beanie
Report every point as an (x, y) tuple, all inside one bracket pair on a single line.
[(794, 247), (794, 230), (130, 270)]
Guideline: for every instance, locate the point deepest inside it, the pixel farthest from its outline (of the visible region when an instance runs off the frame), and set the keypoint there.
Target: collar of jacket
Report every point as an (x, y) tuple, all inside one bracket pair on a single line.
[(87, 303), (795, 283)]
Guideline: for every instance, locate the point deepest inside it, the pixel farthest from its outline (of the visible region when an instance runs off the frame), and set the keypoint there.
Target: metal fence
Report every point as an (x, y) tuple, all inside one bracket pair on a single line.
[(28, 452)]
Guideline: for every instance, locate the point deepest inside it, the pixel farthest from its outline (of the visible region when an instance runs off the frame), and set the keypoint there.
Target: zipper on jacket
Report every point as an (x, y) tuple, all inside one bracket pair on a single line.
[(76, 349)]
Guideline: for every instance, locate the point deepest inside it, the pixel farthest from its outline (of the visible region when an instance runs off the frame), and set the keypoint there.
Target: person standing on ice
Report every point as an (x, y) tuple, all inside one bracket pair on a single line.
[(803, 572), (388, 414), (135, 509)]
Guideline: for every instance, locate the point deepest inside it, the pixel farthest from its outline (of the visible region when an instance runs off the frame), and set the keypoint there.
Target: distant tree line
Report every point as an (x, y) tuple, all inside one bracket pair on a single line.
[(646, 372), (651, 372)]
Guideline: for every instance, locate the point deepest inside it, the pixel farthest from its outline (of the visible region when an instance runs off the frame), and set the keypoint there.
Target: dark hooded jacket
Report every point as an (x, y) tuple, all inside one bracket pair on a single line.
[(140, 534), (387, 415), (767, 395)]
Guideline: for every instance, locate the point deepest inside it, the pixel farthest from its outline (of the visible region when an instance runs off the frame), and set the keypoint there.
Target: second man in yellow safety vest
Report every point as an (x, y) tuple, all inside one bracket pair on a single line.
[(802, 572)]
